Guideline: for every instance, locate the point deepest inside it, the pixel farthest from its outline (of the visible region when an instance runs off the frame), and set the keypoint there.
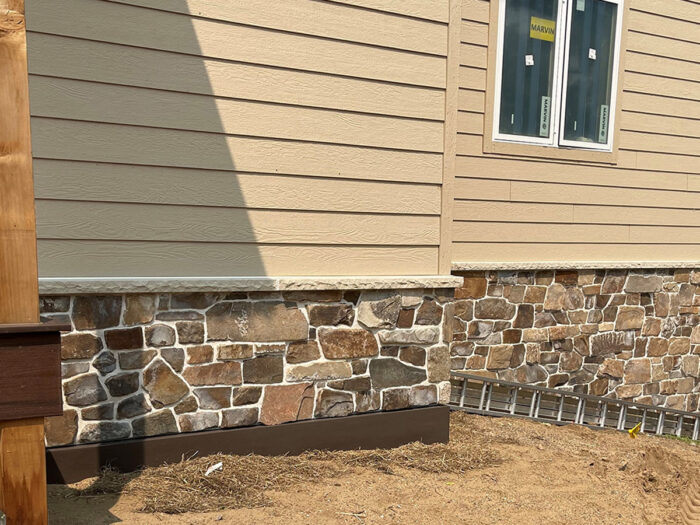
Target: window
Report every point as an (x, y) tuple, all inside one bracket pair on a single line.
[(556, 78)]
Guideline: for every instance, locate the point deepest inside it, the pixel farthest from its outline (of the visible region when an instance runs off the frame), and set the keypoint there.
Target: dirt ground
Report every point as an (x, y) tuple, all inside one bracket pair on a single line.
[(531, 473)]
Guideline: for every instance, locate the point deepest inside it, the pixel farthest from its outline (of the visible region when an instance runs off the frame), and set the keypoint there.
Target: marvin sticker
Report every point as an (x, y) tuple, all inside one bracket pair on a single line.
[(542, 29)]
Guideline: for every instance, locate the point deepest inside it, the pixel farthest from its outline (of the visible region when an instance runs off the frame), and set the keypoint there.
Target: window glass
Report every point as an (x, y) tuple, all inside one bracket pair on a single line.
[(590, 71), (528, 67)]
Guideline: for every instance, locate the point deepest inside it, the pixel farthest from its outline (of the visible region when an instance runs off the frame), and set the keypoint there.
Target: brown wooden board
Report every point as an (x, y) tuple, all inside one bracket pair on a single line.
[(377, 430)]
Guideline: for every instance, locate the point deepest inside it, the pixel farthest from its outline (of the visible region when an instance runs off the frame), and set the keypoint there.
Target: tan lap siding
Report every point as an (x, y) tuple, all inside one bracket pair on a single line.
[(301, 140), (644, 207)]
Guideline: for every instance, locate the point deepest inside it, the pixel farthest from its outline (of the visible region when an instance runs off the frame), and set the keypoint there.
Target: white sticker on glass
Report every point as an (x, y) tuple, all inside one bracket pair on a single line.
[(529, 60), (592, 54), (580, 5)]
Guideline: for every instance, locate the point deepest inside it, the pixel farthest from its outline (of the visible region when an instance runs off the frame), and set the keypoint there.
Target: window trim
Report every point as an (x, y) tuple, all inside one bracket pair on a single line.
[(553, 146)]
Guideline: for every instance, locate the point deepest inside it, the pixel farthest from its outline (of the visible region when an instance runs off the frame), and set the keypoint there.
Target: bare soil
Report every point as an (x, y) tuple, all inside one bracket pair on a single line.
[(500, 471)]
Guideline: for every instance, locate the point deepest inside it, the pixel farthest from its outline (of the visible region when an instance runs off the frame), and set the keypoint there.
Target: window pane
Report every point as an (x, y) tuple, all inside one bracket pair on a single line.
[(590, 74), (528, 67)]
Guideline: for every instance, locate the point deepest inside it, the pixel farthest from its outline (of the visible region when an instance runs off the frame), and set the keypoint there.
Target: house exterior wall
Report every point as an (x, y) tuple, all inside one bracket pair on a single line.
[(139, 365), (193, 138), (643, 205)]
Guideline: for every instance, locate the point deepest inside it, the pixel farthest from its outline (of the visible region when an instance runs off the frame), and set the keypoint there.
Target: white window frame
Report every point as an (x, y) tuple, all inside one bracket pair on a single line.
[(559, 83)]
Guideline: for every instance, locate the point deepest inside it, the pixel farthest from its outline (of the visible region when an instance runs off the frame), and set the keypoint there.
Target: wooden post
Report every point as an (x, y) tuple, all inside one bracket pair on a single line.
[(22, 460)]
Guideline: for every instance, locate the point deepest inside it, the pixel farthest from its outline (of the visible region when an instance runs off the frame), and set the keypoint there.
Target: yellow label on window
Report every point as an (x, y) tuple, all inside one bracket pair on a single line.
[(542, 29)]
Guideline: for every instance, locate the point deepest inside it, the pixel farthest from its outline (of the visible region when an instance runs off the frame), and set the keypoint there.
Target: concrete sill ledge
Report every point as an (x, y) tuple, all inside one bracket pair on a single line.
[(67, 286), (573, 265)]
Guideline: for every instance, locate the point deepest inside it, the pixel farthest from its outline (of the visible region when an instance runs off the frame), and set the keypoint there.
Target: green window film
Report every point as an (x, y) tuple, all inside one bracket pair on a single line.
[(528, 67), (590, 71)]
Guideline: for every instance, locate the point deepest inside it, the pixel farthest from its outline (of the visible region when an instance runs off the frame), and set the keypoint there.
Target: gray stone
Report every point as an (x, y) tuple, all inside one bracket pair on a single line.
[(104, 431), (175, 357), (379, 309), (73, 369), (105, 363), (133, 406), (123, 384), (160, 335), (429, 313), (162, 385), (333, 404), (84, 390), (423, 395), (189, 332), (155, 424), (388, 373), (92, 312), (54, 303), (198, 421), (319, 371), (493, 308), (192, 300), (136, 359), (257, 322), (331, 315), (422, 335), (530, 374), (139, 309), (179, 316), (264, 369), (239, 417), (98, 412), (355, 384), (644, 284)]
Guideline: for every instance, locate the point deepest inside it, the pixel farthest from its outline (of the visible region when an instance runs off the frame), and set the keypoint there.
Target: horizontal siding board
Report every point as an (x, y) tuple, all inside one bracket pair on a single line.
[(71, 140), (67, 180), (66, 258), (79, 100), (472, 78), (474, 33), (574, 252), (477, 10), (591, 214), (636, 141), (474, 210), (654, 23), (428, 9), (471, 100), (482, 189), (470, 123), (206, 38), (59, 56), (665, 234), (649, 123), (154, 222), (473, 55), (660, 66), (680, 9), (662, 46), (538, 232), (669, 87), (323, 19), (660, 105)]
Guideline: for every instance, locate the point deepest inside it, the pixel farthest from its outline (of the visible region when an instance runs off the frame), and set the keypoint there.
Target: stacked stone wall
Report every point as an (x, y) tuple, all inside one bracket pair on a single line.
[(625, 334), (149, 364)]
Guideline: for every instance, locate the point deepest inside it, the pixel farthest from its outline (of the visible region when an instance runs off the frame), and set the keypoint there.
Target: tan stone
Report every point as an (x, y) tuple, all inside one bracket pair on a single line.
[(535, 294), (657, 347), (258, 322), (570, 361), (200, 354), (330, 403), (283, 403), (438, 364), (612, 367), (474, 286), (234, 351), (637, 371), (629, 318), (606, 327), (319, 371), (695, 335), (139, 308), (379, 309), (499, 357), (493, 308), (628, 391), (644, 283), (690, 365), (534, 335), (344, 343), (302, 352), (554, 300), (679, 346), (162, 385), (557, 333), (61, 430), (599, 387), (651, 326)]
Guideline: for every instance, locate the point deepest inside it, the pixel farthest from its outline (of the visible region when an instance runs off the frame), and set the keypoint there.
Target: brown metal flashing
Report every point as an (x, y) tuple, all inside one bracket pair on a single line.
[(25, 328), (377, 430)]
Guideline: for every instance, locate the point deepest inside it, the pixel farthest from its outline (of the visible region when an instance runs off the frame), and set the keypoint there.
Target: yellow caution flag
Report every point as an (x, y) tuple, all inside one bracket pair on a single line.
[(634, 431)]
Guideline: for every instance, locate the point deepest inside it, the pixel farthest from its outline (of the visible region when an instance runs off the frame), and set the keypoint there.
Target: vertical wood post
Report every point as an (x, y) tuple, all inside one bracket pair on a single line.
[(22, 460)]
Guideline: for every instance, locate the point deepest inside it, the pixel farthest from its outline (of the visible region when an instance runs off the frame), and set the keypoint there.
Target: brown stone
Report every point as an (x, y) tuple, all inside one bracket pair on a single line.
[(651, 326), (405, 318), (189, 404), (644, 283), (61, 430), (319, 371), (214, 398), (637, 371), (570, 361), (198, 421), (92, 312), (599, 387), (315, 296), (535, 294), (573, 299), (136, 359), (557, 333), (556, 380), (414, 355), (429, 313), (192, 300), (355, 384), (629, 318), (566, 277), (379, 309), (79, 346), (438, 364), (474, 286), (331, 315), (679, 346), (613, 283), (524, 317), (330, 403), (235, 351), (695, 335), (239, 417), (530, 374), (499, 357), (139, 309), (395, 399), (611, 342), (493, 308), (303, 352), (197, 355), (226, 373), (162, 385), (264, 369), (246, 395), (179, 316), (258, 322), (343, 343), (155, 424), (283, 403), (175, 357), (105, 363), (124, 338), (133, 406), (422, 395), (189, 332), (512, 336), (628, 391), (657, 347), (554, 300)]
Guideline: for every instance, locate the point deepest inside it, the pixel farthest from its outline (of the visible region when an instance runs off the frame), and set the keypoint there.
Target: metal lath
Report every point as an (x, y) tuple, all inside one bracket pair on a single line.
[(493, 397)]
